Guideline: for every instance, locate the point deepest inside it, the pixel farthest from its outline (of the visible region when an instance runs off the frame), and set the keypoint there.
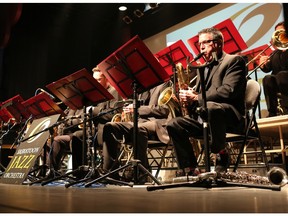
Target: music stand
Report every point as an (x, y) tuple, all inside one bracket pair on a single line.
[(77, 91), (133, 65), (171, 55), (15, 107), (5, 117), (40, 106)]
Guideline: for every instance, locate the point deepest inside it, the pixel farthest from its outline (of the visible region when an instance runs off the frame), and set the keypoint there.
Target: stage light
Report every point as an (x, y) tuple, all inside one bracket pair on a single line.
[(122, 8), (127, 19), (153, 5), (138, 13)]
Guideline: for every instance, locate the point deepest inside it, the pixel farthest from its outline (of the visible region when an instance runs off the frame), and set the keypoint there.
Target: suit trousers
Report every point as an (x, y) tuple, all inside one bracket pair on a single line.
[(221, 119), (115, 131), (273, 84)]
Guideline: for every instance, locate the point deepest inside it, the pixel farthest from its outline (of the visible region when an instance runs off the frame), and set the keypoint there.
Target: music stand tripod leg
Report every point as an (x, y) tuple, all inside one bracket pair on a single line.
[(133, 163), (137, 163), (92, 169)]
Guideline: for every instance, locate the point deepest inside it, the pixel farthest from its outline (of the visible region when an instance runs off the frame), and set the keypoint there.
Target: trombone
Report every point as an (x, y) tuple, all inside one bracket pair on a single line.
[(279, 40)]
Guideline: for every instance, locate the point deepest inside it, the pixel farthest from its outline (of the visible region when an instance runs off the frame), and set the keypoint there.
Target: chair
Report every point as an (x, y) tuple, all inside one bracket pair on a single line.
[(251, 131), (159, 155)]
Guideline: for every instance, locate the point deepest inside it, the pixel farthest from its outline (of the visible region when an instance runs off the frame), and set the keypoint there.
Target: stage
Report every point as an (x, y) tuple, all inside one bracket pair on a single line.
[(108, 198), (124, 199)]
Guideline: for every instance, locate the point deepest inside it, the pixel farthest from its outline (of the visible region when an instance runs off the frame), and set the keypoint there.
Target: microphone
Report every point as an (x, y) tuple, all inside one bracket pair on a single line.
[(50, 95)]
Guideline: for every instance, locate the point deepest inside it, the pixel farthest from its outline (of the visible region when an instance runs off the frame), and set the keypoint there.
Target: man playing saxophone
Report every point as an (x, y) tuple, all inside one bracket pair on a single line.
[(225, 91)]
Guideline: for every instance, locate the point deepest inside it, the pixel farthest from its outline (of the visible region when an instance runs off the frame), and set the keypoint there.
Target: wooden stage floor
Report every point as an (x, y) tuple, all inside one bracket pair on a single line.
[(108, 198)]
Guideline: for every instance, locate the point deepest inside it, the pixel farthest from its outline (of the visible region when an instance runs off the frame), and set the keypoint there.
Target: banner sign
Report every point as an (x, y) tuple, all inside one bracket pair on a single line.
[(28, 150)]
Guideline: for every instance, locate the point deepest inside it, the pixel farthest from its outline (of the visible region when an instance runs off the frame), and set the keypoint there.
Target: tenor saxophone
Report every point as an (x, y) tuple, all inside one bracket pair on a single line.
[(183, 83)]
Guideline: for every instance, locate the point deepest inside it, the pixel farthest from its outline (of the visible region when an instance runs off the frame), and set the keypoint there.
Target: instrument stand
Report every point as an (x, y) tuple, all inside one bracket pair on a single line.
[(207, 179)]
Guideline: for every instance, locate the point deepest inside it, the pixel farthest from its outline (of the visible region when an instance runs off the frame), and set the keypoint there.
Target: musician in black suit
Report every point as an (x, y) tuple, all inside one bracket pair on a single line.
[(70, 133), (225, 92), (277, 81), (151, 122)]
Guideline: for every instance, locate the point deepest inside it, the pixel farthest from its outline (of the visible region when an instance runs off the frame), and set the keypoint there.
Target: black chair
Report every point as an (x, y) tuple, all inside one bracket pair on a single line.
[(251, 133)]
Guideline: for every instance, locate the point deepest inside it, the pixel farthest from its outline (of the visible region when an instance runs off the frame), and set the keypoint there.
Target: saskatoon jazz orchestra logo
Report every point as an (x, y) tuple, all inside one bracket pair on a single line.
[(27, 153)]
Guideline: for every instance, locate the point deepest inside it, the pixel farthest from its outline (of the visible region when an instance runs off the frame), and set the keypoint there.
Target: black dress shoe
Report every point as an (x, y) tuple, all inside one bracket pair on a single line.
[(222, 162)]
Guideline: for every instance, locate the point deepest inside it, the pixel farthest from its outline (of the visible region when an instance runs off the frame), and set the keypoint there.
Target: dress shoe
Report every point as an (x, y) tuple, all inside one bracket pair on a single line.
[(222, 161), (188, 172)]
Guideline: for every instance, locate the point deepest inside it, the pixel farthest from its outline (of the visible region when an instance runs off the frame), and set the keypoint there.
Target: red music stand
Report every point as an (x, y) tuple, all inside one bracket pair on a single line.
[(133, 62), (5, 115), (77, 91), (233, 41), (15, 107), (42, 105), (169, 56), (133, 69)]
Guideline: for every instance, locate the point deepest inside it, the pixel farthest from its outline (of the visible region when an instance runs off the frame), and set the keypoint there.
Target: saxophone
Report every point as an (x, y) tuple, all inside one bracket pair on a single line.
[(183, 83)]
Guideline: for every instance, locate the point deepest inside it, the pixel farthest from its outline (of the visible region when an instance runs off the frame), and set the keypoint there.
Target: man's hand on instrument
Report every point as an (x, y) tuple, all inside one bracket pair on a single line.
[(188, 95)]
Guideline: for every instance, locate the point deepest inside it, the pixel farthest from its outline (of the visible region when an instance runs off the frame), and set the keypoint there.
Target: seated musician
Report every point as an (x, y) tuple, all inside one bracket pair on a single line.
[(225, 92), (276, 82), (70, 138), (151, 119)]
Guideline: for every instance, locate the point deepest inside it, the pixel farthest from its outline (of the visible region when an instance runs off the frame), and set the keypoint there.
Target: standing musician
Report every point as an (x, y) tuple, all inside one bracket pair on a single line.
[(225, 93), (70, 139), (277, 81)]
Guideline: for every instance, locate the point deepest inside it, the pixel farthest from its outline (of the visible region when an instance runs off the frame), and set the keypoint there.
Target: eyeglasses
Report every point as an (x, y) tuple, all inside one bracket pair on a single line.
[(205, 42)]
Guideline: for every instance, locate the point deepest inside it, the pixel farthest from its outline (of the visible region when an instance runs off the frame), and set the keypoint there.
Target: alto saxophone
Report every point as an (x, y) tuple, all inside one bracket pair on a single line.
[(183, 83)]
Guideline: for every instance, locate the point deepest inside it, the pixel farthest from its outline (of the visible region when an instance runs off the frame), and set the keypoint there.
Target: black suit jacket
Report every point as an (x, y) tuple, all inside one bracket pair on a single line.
[(227, 83)]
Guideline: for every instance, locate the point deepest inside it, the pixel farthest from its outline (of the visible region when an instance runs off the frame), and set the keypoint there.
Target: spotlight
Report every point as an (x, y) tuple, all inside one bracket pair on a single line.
[(153, 5), (138, 13), (127, 19), (122, 8)]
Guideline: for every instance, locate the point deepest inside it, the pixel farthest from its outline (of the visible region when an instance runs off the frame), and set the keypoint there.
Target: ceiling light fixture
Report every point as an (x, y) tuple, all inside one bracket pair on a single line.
[(122, 8), (127, 19), (153, 5), (138, 13)]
